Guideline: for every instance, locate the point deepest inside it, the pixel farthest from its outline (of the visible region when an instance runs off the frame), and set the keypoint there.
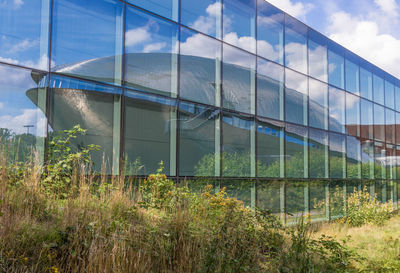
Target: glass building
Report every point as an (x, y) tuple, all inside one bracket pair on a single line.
[(231, 92)]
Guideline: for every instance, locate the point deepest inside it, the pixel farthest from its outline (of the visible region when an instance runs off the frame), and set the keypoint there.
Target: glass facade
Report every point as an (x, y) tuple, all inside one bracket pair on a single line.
[(235, 92)]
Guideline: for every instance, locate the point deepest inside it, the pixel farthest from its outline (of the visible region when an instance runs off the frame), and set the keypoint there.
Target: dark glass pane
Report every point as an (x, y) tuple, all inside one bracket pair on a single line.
[(337, 199), (22, 113), (367, 119), (318, 104), (240, 23), (296, 45), (352, 115), (318, 196), (365, 82), (237, 150), (379, 90), (353, 157), (296, 97), (270, 148), (379, 122), (200, 68), (198, 185), (166, 8), (318, 143), (150, 134), (296, 201), (204, 16), (390, 161), (151, 60), (270, 22), (337, 156), (243, 190), (390, 126), (337, 113), (367, 157), (270, 196), (296, 155), (336, 66), (198, 149), (389, 94), (352, 73), (397, 97), (238, 79), (270, 83), (380, 159), (317, 56), (87, 39), (397, 133)]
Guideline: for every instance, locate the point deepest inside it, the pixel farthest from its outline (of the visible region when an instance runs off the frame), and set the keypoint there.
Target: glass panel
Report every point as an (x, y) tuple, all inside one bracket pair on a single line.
[(200, 68), (397, 98), (382, 191), (296, 201), (24, 32), (379, 122), (296, 96), (352, 115), (353, 157), (269, 196), (150, 134), (318, 104), (238, 79), (336, 110), (337, 156), (166, 8), (367, 119), (296, 151), (389, 94), (390, 126), (237, 148), (96, 108), (270, 21), (151, 60), (87, 39), (336, 66), (390, 161), (352, 73), (318, 143), (379, 94), (22, 113), (270, 83), (367, 157), (337, 199), (243, 190), (197, 185), (380, 159), (240, 23), (365, 82), (317, 56), (270, 148), (296, 45), (397, 134), (204, 16), (318, 204), (198, 149), (398, 170)]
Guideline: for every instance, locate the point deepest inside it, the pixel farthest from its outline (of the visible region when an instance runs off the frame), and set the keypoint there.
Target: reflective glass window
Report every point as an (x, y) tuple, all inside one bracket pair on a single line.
[(318, 143), (379, 90), (24, 32), (353, 152), (397, 129), (151, 60), (318, 104), (241, 189), (198, 132), (270, 24), (336, 110), (390, 126), (318, 196), (296, 45), (336, 65), (166, 8), (87, 39), (365, 81), (367, 158), (389, 95), (379, 123), (96, 108), (238, 79), (270, 148), (352, 73), (317, 56), (296, 97), (367, 119), (240, 23), (237, 146), (397, 97), (391, 161), (296, 205), (337, 156), (150, 134), (270, 86), (200, 68), (22, 113), (380, 160), (296, 153), (269, 197), (352, 115), (204, 16), (337, 190)]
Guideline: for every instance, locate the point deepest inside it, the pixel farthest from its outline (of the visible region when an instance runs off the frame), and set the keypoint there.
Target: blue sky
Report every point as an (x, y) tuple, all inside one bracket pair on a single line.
[(370, 28)]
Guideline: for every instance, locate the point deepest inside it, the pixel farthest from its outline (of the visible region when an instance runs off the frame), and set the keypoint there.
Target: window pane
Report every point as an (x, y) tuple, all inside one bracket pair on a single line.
[(296, 45), (390, 162), (389, 94), (336, 199), (366, 83), (352, 115), (270, 22), (87, 39), (204, 16), (243, 190), (166, 8), (379, 122), (269, 197), (200, 68), (198, 150), (296, 205), (390, 126), (270, 148), (150, 133), (317, 56), (367, 119), (318, 104), (318, 196), (238, 80), (336, 110), (397, 99), (22, 113), (240, 23), (397, 129), (237, 150), (337, 156), (336, 66), (318, 143), (379, 94), (296, 96), (270, 83), (296, 151), (151, 58), (353, 157), (96, 108), (380, 158), (367, 157), (352, 74)]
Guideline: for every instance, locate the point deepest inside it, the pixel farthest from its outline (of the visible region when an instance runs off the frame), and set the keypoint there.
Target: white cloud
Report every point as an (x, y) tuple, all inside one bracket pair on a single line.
[(137, 36), (207, 24), (194, 45), (1, 105), (154, 47), (389, 7), (18, 3), (22, 46), (298, 10), (245, 42), (27, 117)]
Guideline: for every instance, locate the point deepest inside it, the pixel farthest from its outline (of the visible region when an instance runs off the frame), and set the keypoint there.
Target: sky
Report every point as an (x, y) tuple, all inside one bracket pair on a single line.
[(369, 28)]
